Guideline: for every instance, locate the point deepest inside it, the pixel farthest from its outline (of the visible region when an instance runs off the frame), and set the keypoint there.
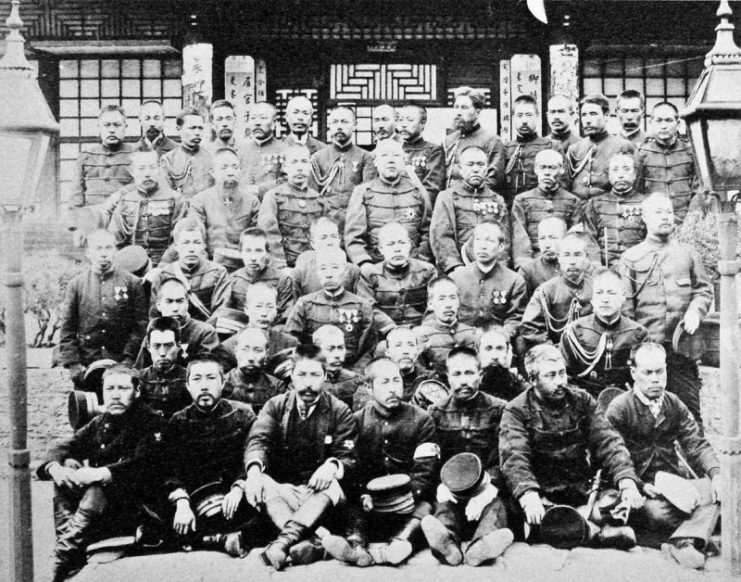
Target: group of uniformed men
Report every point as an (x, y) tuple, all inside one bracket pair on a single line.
[(317, 347)]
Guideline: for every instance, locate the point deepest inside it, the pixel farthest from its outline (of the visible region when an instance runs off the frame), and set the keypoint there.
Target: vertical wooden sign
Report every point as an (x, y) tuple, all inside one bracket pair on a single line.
[(505, 100), (526, 75), (239, 87)]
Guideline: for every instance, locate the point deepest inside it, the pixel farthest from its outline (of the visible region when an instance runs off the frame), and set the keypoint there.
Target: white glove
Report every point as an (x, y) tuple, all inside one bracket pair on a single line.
[(476, 505), (444, 494)]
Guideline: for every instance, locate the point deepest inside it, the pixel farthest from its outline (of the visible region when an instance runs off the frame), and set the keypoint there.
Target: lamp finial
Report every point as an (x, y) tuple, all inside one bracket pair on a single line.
[(15, 61), (725, 50)]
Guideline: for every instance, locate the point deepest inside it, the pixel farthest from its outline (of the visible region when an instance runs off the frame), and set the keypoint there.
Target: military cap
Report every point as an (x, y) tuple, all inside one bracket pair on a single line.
[(391, 494), (206, 502), (463, 474), (429, 392), (228, 321), (563, 527), (608, 395), (133, 259), (82, 407), (686, 344)]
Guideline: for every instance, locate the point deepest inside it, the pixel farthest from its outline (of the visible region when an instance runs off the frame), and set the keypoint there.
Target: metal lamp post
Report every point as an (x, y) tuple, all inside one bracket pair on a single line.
[(26, 128), (713, 116)]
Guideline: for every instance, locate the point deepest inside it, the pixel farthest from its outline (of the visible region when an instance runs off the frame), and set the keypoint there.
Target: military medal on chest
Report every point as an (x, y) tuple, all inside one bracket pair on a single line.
[(631, 213), (120, 293), (498, 297), (348, 318), (302, 203)]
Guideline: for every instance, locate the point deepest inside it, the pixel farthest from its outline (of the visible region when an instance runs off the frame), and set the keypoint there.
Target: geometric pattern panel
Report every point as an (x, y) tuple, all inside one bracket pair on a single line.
[(383, 82), (451, 96), (281, 99)]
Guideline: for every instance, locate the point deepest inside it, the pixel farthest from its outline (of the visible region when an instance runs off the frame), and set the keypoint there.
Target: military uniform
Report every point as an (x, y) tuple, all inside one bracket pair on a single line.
[(502, 383), (457, 212), (309, 142), (554, 305), (588, 161), (555, 448), (147, 219), (615, 221), (665, 280), (436, 339), (427, 161), (187, 170), (457, 141), (530, 207), (161, 145), (286, 215), (165, 391), (219, 144), (240, 281), (103, 316), (196, 339), (305, 280), (519, 163), (262, 163), (278, 345), (225, 215), (652, 445), (100, 171), (636, 138), (254, 389), (401, 293), (379, 202), (357, 317), (345, 384), (335, 171), (207, 282), (669, 169), (563, 141), (537, 271), (597, 354), (498, 296)]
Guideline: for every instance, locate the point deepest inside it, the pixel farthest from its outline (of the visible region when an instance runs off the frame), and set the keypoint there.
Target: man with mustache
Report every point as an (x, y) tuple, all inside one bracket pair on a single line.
[(288, 211), (398, 284), (652, 423), (552, 439), (102, 473), (498, 378), (665, 161), (561, 300), (152, 123), (391, 197), (543, 266), (223, 121), (299, 449), (104, 313), (261, 153), (596, 347), (489, 291), (560, 114), (519, 153), (383, 123), (548, 199), (669, 293), (394, 438), (467, 131), (466, 203), (425, 159), (341, 166), (342, 383), (249, 382), (187, 168), (630, 110), (162, 384), (146, 212), (225, 210), (299, 117), (587, 159), (468, 421), (205, 446), (614, 218)]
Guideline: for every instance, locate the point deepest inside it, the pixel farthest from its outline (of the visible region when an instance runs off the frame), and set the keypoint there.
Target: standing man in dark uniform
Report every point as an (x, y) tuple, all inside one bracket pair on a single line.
[(552, 440), (104, 313), (630, 110), (665, 161), (519, 153), (543, 266), (102, 473), (187, 168), (152, 122), (394, 438), (587, 160), (670, 294), (392, 197), (223, 121), (341, 166), (468, 131), (299, 117), (261, 153), (468, 421), (425, 159), (300, 448), (383, 123), (460, 208), (560, 114), (341, 383)]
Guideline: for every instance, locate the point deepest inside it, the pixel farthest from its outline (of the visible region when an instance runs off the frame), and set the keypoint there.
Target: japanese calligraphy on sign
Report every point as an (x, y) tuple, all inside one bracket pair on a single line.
[(505, 90), (564, 70), (261, 81), (197, 86), (525, 74), (239, 87)]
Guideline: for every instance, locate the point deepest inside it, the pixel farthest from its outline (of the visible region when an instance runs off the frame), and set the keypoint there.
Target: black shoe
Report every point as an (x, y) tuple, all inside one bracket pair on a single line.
[(620, 538), (307, 552)]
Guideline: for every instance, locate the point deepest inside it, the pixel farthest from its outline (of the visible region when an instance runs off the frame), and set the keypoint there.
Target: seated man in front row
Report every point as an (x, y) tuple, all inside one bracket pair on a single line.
[(299, 449), (651, 421), (553, 438), (397, 440), (101, 472)]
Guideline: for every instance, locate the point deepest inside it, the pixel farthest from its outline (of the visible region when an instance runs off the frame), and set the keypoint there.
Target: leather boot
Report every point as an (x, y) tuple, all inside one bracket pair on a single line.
[(276, 552), (683, 550), (620, 538), (489, 547), (231, 543), (349, 550), (69, 551), (307, 552), (442, 542)]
